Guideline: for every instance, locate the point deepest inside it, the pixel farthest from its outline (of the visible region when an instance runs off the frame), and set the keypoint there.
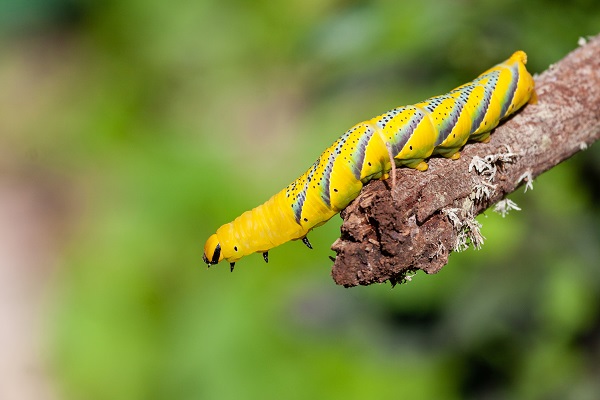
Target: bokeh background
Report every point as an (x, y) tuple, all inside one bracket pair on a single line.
[(130, 130)]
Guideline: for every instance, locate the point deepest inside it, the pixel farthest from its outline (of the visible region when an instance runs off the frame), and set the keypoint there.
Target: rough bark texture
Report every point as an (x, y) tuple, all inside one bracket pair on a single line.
[(387, 235)]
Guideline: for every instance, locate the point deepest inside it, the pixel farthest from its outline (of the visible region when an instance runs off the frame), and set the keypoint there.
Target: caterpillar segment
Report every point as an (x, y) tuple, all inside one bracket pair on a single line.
[(404, 136)]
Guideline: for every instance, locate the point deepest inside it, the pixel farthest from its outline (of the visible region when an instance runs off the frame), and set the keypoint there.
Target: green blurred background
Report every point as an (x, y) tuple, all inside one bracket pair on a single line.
[(130, 130)]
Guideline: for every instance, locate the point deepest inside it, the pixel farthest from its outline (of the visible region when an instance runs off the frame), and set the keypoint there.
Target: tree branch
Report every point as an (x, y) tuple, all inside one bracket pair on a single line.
[(386, 235)]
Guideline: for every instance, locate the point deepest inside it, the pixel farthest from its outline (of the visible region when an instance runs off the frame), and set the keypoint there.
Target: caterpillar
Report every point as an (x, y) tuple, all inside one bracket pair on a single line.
[(404, 136)]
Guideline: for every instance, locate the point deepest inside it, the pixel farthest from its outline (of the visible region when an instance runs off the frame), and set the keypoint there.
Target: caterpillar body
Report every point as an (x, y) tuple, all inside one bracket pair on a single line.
[(404, 136)]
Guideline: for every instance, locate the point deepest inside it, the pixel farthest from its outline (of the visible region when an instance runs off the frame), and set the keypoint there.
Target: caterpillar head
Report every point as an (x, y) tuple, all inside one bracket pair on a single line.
[(212, 251)]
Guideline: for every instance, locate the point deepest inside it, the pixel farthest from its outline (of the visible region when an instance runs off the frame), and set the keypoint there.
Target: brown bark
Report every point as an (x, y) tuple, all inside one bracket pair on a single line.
[(386, 235)]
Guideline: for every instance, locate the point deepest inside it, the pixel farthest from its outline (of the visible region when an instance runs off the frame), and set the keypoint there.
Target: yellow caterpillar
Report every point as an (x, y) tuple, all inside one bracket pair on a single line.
[(410, 134)]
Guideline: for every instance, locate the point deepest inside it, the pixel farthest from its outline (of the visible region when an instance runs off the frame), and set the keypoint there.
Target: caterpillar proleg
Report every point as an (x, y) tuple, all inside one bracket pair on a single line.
[(440, 125)]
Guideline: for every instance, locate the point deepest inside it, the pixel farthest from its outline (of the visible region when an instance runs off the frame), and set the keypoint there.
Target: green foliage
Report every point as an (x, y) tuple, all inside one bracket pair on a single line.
[(169, 119)]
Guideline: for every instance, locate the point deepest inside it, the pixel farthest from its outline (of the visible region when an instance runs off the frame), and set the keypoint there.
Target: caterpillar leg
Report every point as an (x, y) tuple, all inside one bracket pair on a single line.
[(393, 165), (481, 137), (266, 256), (533, 99), (419, 165), (451, 153), (422, 166), (451, 156), (306, 242)]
